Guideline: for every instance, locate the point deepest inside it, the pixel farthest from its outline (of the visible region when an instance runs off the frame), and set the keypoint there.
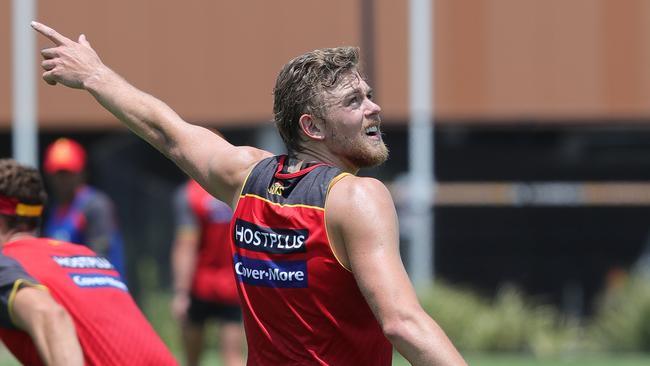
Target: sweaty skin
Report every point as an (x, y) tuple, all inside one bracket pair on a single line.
[(360, 214), (49, 325)]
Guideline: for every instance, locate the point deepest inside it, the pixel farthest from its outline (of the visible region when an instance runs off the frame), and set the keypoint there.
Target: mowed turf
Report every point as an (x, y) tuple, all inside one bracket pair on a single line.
[(211, 359), (526, 360)]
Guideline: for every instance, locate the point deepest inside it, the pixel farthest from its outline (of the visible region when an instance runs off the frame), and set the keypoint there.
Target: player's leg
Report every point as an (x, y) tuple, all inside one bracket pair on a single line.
[(193, 343), (231, 334), (193, 332)]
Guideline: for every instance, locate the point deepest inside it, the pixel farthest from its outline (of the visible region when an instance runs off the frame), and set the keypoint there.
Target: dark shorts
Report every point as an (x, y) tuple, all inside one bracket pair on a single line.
[(201, 310)]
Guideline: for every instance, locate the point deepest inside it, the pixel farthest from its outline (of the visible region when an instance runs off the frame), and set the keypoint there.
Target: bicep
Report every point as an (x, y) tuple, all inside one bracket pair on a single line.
[(218, 166), (367, 225)]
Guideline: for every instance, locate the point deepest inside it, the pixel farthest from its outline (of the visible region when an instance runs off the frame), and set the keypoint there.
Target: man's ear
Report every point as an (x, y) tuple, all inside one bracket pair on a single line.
[(312, 127)]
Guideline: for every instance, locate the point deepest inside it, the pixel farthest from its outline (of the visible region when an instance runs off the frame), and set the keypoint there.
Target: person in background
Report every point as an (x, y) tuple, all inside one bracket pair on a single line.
[(110, 327), (80, 213), (204, 282), (27, 309)]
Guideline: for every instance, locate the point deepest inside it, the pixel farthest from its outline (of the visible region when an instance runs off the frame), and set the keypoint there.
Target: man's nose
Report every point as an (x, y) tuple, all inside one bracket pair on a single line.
[(373, 108)]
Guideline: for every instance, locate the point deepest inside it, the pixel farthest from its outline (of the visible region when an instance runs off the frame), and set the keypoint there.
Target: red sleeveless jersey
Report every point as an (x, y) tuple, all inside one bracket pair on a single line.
[(300, 305), (213, 279), (110, 327)]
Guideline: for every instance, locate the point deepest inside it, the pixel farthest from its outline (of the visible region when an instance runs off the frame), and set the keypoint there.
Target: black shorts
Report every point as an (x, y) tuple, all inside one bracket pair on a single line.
[(201, 310)]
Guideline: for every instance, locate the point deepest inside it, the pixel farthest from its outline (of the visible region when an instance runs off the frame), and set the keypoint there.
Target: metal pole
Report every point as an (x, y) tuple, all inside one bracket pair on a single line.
[(421, 142), (24, 128)]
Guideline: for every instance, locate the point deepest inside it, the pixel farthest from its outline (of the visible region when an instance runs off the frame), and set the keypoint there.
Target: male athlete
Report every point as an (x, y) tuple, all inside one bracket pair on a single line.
[(110, 327), (204, 283), (315, 248), (26, 306)]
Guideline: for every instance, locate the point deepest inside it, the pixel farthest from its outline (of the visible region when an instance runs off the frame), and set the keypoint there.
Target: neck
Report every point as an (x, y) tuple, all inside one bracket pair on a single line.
[(310, 154)]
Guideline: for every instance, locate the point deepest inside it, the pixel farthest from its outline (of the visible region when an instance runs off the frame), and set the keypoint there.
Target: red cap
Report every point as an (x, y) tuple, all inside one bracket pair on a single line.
[(64, 154)]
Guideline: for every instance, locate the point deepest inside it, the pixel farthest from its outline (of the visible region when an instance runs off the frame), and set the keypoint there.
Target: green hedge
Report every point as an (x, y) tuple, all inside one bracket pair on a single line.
[(622, 320), (508, 323)]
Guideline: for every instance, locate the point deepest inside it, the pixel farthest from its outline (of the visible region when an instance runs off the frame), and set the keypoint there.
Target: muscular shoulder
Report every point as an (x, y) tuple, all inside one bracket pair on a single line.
[(354, 195), (230, 171), (360, 215), (361, 220), (241, 159)]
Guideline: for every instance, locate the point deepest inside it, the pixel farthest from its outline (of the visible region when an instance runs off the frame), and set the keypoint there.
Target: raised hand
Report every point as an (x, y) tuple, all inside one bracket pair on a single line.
[(69, 63)]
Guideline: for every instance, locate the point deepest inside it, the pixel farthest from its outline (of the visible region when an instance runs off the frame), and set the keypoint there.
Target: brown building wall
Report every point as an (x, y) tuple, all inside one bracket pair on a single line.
[(497, 60), (214, 62), (547, 60)]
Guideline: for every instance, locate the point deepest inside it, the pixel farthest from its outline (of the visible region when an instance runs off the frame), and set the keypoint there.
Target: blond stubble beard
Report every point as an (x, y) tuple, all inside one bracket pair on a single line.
[(361, 155)]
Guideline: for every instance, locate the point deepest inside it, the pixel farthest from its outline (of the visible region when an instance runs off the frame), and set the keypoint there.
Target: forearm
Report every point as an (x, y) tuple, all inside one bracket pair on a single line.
[(183, 265), (204, 156), (421, 341), (196, 150), (145, 115)]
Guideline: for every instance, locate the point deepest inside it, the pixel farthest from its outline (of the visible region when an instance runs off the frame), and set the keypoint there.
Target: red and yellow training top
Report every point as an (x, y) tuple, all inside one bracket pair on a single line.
[(300, 305), (110, 327)]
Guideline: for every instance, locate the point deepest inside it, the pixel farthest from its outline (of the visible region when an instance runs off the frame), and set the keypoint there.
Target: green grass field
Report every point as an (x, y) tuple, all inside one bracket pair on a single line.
[(578, 360), (211, 359)]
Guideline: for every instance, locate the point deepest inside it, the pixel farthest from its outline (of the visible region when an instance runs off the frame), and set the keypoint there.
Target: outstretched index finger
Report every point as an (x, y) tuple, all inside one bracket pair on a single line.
[(83, 40), (50, 33)]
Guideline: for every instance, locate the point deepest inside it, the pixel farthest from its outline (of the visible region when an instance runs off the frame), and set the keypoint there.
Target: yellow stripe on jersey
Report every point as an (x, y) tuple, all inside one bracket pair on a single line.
[(329, 241), (281, 204), (241, 190), (336, 180), (20, 283)]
